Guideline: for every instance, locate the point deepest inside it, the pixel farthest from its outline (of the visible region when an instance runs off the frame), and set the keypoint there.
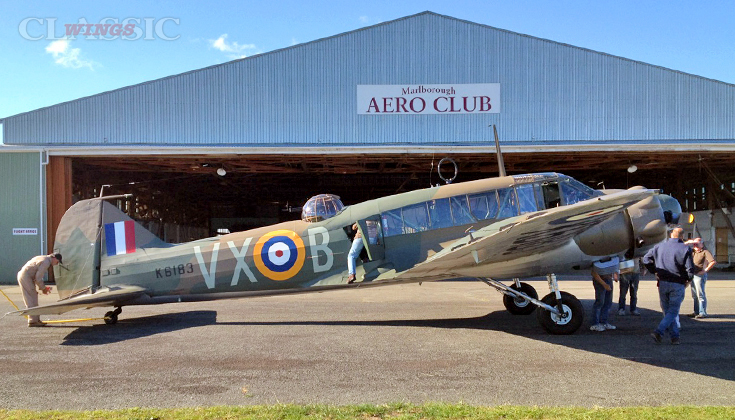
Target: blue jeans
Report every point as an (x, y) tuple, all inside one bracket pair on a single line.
[(700, 298), (671, 296), (629, 282), (354, 253), (603, 301)]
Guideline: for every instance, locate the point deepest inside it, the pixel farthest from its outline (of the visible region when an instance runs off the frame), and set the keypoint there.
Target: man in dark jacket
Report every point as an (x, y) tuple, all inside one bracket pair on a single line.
[(671, 261)]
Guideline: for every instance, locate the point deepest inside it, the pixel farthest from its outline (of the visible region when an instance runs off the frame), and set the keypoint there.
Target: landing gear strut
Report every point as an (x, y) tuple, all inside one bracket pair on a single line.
[(558, 312), (567, 314), (566, 322), (111, 317)]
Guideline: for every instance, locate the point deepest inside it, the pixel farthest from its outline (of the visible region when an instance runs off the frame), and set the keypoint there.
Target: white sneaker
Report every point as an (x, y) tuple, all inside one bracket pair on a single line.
[(636, 312), (621, 312), (597, 327), (609, 326)]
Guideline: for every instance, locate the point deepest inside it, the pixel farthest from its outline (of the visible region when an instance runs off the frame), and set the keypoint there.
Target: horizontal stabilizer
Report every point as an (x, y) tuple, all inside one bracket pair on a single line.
[(107, 296)]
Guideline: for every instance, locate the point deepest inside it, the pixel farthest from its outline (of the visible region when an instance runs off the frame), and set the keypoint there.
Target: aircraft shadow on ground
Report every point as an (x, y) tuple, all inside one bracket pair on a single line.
[(131, 328), (706, 347)]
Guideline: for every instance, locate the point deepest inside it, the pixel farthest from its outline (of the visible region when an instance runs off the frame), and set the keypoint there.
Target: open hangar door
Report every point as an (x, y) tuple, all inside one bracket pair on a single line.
[(180, 198), (186, 197)]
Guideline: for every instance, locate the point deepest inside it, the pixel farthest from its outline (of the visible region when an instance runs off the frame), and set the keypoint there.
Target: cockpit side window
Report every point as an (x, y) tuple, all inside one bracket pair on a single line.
[(415, 218), (526, 198), (484, 206), (392, 222), (461, 211), (550, 194), (440, 213), (508, 203), (574, 191)]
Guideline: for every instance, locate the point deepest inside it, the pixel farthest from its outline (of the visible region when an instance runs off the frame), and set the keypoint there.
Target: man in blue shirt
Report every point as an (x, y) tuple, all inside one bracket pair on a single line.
[(603, 275), (671, 261)]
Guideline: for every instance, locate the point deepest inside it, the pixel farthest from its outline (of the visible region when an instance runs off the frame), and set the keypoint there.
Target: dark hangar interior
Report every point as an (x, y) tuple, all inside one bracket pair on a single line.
[(257, 190)]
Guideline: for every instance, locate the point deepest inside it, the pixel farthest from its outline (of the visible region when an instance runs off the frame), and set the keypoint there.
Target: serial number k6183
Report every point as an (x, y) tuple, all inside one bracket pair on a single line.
[(174, 270)]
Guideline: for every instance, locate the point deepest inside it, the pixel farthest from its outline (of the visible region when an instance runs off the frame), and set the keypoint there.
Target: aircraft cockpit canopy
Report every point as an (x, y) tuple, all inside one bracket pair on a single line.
[(321, 207)]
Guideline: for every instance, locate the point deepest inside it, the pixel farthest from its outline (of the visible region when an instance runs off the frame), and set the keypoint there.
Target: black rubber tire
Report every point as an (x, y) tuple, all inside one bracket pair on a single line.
[(521, 306), (552, 324), (111, 318)]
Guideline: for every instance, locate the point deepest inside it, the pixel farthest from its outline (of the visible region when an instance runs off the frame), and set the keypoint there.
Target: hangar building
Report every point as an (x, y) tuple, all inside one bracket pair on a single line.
[(364, 114)]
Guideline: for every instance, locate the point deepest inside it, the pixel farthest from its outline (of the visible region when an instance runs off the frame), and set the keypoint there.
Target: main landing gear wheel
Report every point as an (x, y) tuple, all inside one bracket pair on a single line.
[(571, 319), (520, 306), (111, 317)]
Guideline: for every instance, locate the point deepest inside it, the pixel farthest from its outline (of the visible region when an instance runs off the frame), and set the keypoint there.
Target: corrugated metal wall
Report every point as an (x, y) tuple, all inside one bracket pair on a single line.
[(19, 208), (305, 95)]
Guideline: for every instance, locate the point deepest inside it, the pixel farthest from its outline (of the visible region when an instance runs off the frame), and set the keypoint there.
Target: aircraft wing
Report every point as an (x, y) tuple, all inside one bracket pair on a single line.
[(523, 235), (106, 296)]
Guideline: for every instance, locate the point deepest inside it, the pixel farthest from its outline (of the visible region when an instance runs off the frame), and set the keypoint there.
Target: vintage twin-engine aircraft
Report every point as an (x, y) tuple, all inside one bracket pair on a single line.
[(498, 228)]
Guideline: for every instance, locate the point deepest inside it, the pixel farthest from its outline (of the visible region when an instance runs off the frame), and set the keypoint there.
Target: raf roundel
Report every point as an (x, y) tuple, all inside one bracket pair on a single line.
[(279, 255)]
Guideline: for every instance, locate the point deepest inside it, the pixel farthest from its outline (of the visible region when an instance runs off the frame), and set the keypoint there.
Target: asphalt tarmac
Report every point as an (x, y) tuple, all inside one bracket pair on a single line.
[(447, 341)]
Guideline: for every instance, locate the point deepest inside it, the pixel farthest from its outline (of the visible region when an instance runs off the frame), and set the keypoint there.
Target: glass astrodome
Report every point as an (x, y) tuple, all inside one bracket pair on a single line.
[(321, 207)]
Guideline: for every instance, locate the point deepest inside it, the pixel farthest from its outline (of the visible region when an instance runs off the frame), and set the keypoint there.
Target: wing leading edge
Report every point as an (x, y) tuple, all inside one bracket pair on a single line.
[(523, 236)]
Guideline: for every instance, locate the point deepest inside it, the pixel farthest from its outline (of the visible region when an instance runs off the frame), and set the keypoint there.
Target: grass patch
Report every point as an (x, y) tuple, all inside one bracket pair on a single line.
[(389, 411)]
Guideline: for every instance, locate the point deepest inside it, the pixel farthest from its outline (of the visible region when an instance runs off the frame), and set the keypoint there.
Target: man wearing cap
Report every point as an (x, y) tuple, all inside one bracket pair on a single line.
[(671, 261), (30, 277), (703, 262)]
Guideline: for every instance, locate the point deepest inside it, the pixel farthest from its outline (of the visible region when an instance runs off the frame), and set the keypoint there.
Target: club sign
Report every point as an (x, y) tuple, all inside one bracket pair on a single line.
[(428, 99)]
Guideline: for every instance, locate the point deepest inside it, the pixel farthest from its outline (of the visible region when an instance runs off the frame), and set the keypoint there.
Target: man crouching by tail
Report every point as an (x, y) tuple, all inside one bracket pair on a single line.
[(30, 277), (671, 261)]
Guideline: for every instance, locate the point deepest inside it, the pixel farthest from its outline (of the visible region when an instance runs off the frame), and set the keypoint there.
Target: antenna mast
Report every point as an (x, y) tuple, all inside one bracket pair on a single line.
[(501, 163)]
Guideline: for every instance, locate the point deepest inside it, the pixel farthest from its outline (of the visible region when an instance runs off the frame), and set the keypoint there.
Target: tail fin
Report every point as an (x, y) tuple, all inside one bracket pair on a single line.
[(77, 238)]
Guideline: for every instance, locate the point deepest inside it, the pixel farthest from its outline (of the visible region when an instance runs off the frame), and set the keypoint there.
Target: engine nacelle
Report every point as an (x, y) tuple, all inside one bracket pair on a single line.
[(633, 231), (649, 224)]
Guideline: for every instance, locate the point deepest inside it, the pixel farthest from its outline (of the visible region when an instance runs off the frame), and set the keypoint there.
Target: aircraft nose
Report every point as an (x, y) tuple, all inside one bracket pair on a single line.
[(671, 208)]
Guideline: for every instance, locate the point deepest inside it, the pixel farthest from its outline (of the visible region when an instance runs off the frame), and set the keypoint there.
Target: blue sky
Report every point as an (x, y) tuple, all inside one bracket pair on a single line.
[(693, 37)]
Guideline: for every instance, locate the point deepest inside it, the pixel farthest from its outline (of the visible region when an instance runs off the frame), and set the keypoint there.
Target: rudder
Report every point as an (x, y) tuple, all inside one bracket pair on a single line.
[(76, 240)]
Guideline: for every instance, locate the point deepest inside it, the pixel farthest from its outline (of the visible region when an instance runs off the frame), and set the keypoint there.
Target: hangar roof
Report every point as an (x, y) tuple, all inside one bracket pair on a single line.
[(551, 95)]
